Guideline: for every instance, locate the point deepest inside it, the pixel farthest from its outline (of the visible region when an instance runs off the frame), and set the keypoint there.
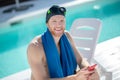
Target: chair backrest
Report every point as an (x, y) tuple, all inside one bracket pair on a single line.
[(85, 33)]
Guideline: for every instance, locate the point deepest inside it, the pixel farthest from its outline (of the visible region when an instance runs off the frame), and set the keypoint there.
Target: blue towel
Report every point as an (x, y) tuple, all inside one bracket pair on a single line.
[(59, 65)]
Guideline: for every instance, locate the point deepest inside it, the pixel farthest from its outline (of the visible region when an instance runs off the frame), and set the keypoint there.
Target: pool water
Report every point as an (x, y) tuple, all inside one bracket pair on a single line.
[(14, 39)]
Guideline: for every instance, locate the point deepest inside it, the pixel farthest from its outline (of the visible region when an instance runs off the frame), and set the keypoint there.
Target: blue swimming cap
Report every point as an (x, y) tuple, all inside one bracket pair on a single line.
[(55, 10)]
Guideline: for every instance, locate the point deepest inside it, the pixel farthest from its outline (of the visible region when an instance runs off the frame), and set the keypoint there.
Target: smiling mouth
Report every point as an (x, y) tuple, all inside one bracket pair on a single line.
[(58, 29)]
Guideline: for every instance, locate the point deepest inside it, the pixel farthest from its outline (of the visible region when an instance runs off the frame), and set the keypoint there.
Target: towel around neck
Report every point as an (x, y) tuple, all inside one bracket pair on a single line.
[(59, 65)]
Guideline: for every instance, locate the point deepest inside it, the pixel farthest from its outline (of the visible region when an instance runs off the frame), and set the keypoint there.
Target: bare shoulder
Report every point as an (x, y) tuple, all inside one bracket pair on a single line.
[(69, 37), (67, 32), (35, 49), (35, 44), (37, 59)]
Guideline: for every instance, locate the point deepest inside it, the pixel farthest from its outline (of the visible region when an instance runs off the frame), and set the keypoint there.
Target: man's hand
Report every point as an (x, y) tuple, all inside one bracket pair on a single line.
[(83, 74), (94, 76)]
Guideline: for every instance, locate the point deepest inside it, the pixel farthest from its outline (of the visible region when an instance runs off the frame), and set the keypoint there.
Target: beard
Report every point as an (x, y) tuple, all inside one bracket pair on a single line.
[(57, 33)]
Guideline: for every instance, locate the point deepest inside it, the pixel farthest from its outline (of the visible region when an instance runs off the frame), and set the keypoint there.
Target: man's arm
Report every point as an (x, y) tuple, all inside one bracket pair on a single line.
[(36, 61), (80, 60)]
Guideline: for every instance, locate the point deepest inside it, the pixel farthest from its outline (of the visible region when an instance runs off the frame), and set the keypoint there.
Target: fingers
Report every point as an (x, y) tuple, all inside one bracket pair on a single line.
[(85, 68), (89, 72), (85, 72)]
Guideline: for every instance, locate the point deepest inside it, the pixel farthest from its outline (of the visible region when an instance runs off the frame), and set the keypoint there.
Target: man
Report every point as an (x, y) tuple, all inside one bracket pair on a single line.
[(53, 56)]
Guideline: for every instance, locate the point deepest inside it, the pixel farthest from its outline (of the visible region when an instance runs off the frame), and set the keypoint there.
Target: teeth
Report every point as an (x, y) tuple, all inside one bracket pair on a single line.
[(58, 29)]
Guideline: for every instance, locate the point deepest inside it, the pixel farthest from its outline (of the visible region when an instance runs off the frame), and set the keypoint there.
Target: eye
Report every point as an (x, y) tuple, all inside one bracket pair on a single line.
[(62, 20), (53, 21)]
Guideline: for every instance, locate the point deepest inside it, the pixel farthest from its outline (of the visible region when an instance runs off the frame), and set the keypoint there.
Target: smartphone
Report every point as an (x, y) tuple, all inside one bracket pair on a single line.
[(91, 68)]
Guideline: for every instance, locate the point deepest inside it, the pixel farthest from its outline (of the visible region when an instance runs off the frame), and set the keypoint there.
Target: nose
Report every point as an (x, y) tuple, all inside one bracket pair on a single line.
[(59, 24)]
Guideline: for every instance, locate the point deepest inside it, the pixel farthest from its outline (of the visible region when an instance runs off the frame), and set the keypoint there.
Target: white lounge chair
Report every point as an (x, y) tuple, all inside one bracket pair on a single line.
[(85, 32)]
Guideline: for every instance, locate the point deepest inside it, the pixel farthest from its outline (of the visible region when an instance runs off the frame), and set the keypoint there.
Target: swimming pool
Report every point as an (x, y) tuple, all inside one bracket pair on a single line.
[(14, 39)]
